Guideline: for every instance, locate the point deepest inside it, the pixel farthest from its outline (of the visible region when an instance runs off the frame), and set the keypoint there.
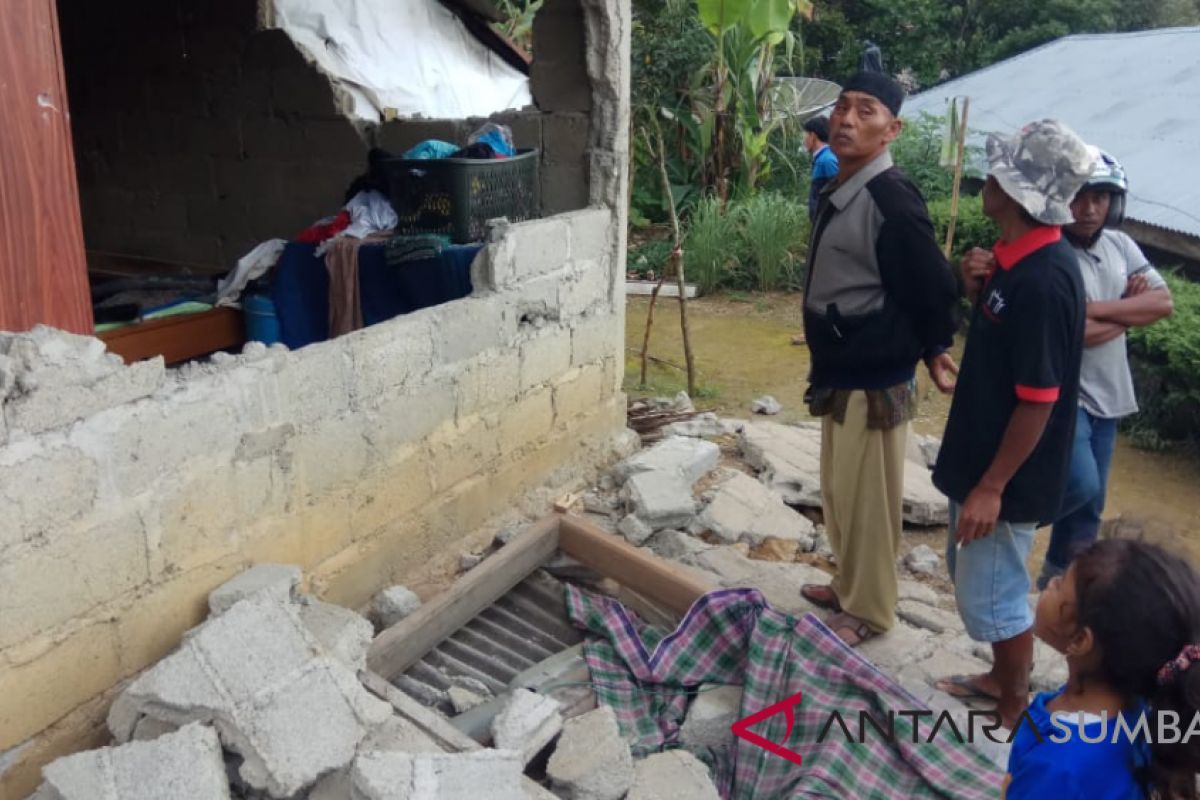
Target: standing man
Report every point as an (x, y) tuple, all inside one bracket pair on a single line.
[(825, 163), (1004, 458), (879, 298)]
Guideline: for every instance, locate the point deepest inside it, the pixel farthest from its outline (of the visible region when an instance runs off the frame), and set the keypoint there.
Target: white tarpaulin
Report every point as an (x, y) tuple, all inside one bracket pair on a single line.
[(411, 55)]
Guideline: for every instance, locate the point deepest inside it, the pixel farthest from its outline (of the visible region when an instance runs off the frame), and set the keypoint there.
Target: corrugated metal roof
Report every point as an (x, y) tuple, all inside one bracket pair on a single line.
[(1136, 95)]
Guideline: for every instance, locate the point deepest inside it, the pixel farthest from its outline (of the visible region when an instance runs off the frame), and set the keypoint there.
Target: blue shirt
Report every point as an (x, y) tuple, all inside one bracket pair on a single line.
[(824, 169), (1074, 769)]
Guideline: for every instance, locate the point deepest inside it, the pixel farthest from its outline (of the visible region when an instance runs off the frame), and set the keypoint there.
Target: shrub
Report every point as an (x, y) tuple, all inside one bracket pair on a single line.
[(1165, 358), (710, 245), (973, 228), (774, 230)]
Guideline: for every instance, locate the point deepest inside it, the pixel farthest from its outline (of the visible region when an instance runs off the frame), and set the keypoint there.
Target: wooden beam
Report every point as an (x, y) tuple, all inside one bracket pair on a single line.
[(615, 558), (177, 338), (402, 645), (430, 722)]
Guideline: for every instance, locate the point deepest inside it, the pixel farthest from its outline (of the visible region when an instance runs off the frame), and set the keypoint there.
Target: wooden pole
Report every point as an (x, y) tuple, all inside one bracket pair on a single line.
[(677, 261), (958, 167)]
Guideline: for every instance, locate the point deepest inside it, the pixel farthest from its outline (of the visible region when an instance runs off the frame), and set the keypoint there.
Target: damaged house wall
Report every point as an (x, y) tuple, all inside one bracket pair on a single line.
[(128, 493), (197, 135)]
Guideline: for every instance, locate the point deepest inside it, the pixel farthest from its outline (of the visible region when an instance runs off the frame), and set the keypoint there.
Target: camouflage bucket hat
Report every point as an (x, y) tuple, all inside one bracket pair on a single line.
[(1042, 168)]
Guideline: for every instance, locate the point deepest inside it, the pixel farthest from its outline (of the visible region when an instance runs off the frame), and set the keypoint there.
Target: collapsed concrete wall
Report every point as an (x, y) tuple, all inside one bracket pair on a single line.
[(197, 135)]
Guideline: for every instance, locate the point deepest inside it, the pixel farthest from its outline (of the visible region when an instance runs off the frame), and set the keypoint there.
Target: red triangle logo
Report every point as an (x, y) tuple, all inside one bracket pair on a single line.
[(787, 707)]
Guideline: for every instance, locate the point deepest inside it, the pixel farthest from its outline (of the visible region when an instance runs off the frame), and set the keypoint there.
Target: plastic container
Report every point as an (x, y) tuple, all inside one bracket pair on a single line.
[(258, 314), (456, 197)]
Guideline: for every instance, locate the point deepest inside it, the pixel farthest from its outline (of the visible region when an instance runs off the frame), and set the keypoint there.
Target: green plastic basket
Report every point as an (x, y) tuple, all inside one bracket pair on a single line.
[(456, 197)]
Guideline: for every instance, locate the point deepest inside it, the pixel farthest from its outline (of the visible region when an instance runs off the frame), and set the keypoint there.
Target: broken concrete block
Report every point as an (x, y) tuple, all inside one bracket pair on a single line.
[(148, 729), (673, 775), (289, 710), (591, 761), (766, 405), (682, 403), (469, 561), (922, 560), (661, 499), (634, 530), (277, 580), (185, 765), (527, 723), (473, 685), (123, 718), (495, 774), (394, 604), (691, 458), (698, 427), (928, 617), (394, 735), (917, 592), (344, 634), (710, 716), (745, 510), (463, 700)]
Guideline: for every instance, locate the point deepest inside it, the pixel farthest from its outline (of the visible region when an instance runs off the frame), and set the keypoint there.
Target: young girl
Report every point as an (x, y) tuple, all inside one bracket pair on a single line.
[(1127, 617)]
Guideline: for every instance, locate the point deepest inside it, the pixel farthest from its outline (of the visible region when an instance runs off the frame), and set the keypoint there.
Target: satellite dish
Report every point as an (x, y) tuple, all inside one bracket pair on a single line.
[(798, 99)]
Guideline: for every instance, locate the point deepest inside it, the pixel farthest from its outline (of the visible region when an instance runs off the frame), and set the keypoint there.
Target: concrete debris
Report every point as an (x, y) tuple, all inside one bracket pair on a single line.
[(276, 580), (592, 761), (676, 545), (661, 499), (597, 503), (634, 530), (276, 698), (344, 634), (185, 765), (710, 716), (463, 700), (899, 647), (495, 774), (395, 735), (394, 604), (148, 729), (821, 545), (766, 405), (924, 449), (682, 403), (779, 582), (788, 458), (698, 427), (917, 592), (691, 458), (527, 723), (469, 561), (922, 560), (745, 510), (928, 617), (473, 685), (673, 775)]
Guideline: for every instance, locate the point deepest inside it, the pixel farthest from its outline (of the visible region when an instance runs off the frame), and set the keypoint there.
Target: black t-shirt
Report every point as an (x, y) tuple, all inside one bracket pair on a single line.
[(1025, 343)]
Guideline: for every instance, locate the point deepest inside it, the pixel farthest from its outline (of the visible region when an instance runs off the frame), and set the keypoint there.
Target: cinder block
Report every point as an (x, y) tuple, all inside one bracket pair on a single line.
[(469, 326), (527, 723), (314, 383), (545, 356), (259, 181), (458, 451), (675, 773), (263, 444), (334, 139), (53, 406), (275, 580), (575, 394), (587, 288), (565, 135), (596, 337), (391, 491), (387, 356), (558, 75), (528, 422), (344, 634), (539, 247), (274, 139), (592, 761), (187, 765), (43, 492), (591, 234), (71, 572), (407, 417), (399, 136), (333, 452), (301, 89), (67, 674), (490, 380), (565, 187), (448, 776)]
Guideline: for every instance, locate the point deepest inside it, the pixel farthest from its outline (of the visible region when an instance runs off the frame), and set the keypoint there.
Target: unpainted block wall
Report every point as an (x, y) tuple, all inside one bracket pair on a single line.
[(198, 136), (126, 494)]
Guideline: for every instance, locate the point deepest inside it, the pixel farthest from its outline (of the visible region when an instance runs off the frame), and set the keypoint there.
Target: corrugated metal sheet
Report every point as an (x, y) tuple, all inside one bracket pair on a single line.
[(1136, 95)]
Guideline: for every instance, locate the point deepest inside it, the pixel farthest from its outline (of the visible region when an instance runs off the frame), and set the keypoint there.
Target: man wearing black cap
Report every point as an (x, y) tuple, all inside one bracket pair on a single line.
[(879, 297)]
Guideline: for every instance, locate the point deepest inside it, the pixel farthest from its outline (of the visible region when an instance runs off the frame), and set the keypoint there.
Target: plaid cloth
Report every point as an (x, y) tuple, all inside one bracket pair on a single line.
[(732, 636)]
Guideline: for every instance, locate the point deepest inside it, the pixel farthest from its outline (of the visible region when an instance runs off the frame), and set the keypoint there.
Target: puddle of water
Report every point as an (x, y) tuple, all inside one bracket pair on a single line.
[(743, 350)]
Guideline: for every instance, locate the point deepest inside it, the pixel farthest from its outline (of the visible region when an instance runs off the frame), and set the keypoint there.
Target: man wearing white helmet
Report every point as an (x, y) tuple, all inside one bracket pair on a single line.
[(1123, 291)]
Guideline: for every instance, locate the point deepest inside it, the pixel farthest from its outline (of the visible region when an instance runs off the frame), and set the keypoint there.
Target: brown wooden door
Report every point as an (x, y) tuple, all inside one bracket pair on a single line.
[(43, 272)]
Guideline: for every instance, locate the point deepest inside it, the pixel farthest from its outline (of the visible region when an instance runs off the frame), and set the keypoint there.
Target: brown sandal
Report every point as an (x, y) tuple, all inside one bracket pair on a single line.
[(821, 596), (859, 630)]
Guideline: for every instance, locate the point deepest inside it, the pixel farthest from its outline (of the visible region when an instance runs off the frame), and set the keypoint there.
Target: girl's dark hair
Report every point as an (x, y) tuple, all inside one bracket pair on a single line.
[(1142, 605)]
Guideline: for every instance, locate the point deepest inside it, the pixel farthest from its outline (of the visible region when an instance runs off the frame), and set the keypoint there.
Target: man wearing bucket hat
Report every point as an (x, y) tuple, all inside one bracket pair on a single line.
[(879, 298), (1004, 458)]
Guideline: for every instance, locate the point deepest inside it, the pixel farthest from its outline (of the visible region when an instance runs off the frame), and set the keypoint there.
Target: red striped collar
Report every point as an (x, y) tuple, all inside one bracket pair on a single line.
[(1009, 253)]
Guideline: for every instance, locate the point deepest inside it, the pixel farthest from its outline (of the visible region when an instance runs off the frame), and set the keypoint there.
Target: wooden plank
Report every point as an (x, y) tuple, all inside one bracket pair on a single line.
[(177, 338), (402, 645), (429, 721), (43, 274), (615, 558)]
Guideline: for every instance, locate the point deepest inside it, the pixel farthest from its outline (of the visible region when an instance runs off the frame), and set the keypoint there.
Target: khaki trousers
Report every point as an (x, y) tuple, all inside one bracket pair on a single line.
[(862, 495)]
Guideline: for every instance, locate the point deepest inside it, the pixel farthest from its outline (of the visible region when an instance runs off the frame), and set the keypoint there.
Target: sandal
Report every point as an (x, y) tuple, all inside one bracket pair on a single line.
[(964, 687), (859, 630), (821, 596)]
